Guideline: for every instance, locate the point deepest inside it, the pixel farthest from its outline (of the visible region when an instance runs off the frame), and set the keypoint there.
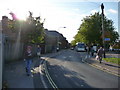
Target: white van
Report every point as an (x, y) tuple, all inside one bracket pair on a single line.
[(80, 47)]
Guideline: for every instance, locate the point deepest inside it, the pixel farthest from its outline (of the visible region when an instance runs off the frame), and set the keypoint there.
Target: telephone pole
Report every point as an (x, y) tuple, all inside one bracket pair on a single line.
[(102, 7), (103, 32)]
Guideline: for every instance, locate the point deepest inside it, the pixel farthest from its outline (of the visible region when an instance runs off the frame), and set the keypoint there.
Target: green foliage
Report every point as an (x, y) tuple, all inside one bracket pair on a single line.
[(32, 31), (112, 60), (90, 30), (73, 43)]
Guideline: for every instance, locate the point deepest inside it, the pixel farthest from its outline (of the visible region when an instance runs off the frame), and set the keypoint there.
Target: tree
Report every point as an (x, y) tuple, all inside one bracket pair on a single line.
[(33, 30), (90, 30)]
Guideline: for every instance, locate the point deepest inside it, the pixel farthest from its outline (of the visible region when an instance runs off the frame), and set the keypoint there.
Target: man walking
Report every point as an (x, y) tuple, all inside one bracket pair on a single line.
[(100, 53), (28, 59)]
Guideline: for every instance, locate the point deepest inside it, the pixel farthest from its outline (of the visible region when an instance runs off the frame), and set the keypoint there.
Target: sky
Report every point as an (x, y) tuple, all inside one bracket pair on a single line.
[(60, 13)]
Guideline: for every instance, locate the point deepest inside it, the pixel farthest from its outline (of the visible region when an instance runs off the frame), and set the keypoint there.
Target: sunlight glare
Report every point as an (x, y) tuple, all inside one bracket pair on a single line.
[(21, 17)]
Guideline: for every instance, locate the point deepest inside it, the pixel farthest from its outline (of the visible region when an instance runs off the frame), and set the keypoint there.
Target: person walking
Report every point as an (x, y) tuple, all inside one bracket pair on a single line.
[(100, 53), (38, 51), (88, 49), (28, 59), (92, 51)]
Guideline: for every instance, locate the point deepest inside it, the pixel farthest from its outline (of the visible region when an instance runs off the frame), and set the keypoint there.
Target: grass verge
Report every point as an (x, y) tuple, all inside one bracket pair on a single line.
[(112, 60)]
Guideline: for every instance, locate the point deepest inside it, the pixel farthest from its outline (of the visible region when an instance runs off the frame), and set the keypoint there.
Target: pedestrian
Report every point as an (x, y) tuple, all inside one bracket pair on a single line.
[(38, 51), (28, 59), (95, 48), (92, 51), (87, 49), (104, 53), (100, 53)]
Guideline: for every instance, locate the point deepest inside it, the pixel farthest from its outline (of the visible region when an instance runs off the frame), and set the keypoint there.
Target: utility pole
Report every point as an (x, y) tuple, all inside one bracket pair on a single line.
[(103, 32), (102, 7)]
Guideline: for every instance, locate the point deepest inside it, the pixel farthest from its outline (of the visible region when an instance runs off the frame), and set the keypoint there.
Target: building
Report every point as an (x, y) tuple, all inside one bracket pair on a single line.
[(54, 40)]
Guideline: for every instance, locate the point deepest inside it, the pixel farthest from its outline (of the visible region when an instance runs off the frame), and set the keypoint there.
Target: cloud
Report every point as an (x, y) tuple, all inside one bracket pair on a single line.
[(112, 11)]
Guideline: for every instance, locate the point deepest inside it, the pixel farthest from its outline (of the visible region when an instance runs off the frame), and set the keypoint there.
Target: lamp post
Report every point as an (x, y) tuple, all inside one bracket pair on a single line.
[(103, 32), (102, 7)]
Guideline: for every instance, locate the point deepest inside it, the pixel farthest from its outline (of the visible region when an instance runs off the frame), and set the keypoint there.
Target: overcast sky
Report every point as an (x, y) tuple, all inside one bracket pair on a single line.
[(61, 13)]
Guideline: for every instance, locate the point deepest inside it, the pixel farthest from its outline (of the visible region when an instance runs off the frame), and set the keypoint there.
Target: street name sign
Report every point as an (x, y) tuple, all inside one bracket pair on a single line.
[(106, 39)]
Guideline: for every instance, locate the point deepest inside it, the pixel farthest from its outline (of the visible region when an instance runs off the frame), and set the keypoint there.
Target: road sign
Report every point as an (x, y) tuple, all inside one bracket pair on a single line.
[(106, 39)]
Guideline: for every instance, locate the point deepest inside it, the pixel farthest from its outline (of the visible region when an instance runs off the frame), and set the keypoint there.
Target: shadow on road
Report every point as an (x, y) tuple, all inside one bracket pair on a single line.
[(65, 78), (112, 65), (37, 81)]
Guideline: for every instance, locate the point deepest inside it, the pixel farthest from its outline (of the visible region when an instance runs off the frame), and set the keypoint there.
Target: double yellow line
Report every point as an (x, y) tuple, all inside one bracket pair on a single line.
[(49, 78)]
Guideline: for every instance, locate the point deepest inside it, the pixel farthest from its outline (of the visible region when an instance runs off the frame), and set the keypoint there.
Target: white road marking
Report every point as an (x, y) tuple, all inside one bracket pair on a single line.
[(81, 85), (41, 77)]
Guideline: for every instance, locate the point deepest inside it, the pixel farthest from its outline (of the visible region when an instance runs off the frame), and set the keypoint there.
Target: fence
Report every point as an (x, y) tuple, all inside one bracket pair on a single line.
[(12, 51), (15, 51)]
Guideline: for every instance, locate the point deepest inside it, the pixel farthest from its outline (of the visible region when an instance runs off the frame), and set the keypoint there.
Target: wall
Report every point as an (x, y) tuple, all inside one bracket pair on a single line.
[(12, 51), (15, 51), (1, 56)]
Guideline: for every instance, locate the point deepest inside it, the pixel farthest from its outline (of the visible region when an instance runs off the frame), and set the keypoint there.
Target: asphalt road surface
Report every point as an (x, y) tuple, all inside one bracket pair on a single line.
[(68, 71)]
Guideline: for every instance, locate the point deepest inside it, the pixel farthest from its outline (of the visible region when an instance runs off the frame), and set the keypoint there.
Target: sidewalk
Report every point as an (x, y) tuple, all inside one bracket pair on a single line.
[(15, 74), (105, 66)]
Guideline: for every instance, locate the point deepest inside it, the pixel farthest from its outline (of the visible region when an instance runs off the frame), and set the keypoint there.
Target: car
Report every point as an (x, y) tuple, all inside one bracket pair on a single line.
[(72, 48), (57, 49)]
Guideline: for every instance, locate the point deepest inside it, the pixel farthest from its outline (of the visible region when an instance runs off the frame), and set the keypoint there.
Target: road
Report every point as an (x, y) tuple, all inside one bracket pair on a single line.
[(68, 71)]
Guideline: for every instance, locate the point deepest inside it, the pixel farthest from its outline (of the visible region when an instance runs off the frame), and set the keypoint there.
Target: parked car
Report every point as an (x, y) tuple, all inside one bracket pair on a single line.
[(72, 48)]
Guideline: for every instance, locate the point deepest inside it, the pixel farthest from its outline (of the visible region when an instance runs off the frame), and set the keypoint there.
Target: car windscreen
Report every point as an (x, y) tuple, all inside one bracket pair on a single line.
[(81, 46)]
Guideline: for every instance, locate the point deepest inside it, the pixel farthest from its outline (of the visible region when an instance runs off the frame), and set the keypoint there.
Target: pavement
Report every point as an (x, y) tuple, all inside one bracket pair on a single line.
[(104, 66), (15, 75)]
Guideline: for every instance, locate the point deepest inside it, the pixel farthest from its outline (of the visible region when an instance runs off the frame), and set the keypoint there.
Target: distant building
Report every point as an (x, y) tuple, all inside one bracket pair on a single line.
[(54, 39)]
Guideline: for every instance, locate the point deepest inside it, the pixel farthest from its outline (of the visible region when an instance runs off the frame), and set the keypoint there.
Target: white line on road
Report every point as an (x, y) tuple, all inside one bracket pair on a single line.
[(49, 77), (41, 77), (86, 57)]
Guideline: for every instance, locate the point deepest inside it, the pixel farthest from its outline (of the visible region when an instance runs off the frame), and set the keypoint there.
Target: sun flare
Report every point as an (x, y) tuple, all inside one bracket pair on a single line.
[(21, 17)]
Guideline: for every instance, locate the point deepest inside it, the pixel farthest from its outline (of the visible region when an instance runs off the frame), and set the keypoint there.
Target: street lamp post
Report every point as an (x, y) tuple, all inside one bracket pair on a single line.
[(102, 7), (103, 32)]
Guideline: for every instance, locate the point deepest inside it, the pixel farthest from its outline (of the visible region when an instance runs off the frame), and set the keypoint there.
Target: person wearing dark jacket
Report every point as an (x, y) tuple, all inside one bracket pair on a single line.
[(28, 59), (100, 53)]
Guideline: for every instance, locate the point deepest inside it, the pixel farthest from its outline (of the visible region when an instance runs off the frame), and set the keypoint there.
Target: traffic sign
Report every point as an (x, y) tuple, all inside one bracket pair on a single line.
[(106, 39)]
